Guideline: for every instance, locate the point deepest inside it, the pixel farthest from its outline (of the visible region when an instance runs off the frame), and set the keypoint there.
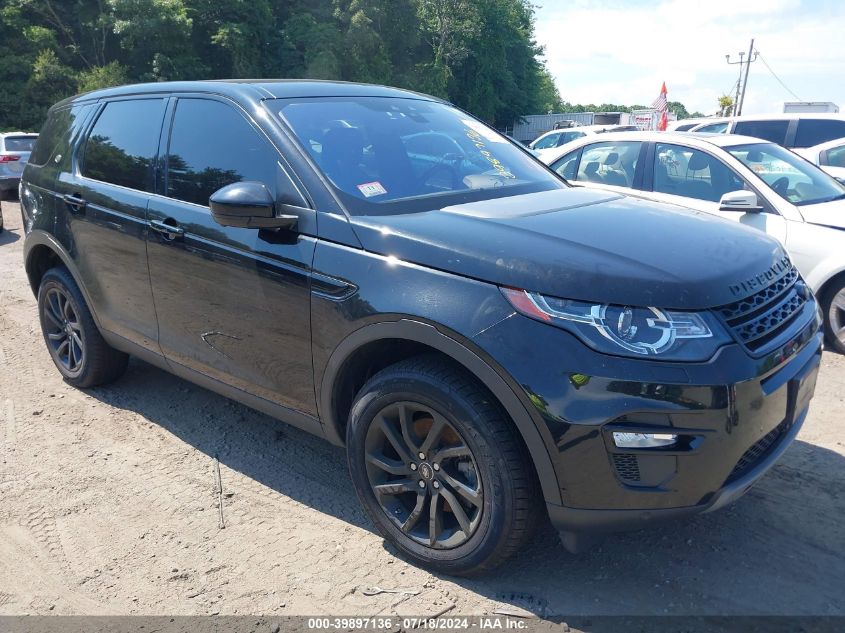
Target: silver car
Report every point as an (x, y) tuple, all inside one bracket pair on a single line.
[(15, 148)]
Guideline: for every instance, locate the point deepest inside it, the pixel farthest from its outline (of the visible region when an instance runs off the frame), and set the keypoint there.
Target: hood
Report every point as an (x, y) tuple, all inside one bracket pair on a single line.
[(825, 213), (582, 244)]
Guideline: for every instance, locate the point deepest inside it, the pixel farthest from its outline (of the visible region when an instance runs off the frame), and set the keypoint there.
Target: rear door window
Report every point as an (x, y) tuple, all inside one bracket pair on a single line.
[(121, 148), (773, 130), (609, 163), (817, 131), (547, 141), (713, 128), (211, 146)]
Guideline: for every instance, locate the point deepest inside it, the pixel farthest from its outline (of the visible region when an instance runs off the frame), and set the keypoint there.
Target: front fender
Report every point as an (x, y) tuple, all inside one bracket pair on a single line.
[(533, 432)]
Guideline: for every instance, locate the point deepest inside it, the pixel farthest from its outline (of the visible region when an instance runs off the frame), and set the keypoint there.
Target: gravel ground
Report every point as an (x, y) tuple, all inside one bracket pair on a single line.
[(109, 506)]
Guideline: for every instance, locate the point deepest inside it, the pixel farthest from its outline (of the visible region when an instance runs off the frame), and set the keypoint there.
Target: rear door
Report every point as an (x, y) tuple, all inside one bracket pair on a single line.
[(697, 179), (102, 214), (233, 304)]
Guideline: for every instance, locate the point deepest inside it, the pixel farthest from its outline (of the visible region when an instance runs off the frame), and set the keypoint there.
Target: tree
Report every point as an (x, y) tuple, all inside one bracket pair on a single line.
[(726, 104)]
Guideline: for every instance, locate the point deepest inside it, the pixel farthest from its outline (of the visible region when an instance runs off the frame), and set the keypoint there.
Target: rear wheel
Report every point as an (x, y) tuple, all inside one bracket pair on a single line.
[(75, 344), (833, 305), (440, 469)]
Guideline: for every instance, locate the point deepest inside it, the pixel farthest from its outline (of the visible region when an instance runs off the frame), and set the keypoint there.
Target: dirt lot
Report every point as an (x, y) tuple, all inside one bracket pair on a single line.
[(108, 506)]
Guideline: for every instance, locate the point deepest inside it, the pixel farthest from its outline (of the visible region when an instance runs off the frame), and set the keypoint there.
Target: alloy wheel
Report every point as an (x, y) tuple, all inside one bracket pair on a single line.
[(63, 330), (836, 316), (424, 475)]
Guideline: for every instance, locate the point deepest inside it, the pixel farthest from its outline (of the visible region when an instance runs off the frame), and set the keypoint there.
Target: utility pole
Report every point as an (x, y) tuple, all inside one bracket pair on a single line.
[(751, 58), (739, 79), (740, 82)]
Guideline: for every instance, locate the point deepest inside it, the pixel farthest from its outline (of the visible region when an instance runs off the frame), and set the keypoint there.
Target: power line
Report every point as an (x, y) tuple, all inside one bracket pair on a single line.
[(765, 63)]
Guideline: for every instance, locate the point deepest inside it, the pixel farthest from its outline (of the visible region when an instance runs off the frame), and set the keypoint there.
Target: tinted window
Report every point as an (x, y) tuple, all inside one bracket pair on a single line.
[(816, 131), (547, 141), (687, 172), (57, 123), (366, 147), (122, 145), (212, 145), (683, 127), (835, 157), (774, 131), (609, 163), (19, 143)]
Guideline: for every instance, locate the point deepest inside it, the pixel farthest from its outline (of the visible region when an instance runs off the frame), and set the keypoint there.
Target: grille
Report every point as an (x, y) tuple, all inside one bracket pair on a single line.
[(758, 450), (760, 318), (627, 466)]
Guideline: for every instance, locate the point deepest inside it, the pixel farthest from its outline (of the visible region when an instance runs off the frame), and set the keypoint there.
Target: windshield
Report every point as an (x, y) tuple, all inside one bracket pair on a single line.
[(391, 155), (788, 175)]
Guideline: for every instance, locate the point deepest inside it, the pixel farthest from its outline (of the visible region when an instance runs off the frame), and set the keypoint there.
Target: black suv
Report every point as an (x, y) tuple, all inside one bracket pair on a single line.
[(380, 268)]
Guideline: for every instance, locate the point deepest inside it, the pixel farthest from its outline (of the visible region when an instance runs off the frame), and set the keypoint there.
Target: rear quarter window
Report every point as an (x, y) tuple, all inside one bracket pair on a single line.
[(57, 132), (816, 131)]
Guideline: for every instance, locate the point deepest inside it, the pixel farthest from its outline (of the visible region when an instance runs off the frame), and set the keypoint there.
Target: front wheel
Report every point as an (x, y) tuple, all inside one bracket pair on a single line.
[(833, 305), (440, 469), (75, 344)]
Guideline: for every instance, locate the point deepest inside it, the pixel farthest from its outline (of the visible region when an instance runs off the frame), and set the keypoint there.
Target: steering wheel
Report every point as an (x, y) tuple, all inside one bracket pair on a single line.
[(781, 185), (447, 166)]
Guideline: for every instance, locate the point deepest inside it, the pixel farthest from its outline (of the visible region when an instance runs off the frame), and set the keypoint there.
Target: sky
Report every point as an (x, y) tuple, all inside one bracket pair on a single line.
[(612, 51)]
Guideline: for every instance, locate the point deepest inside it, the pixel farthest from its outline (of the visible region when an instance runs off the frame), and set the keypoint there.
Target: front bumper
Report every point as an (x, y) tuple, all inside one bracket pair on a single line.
[(734, 416)]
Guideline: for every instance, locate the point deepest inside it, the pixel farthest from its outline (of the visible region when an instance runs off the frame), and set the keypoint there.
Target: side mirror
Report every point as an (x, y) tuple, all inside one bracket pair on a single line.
[(740, 201), (248, 204)]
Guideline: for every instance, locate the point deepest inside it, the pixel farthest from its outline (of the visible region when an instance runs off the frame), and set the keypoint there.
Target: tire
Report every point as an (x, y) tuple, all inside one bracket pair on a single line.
[(833, 309), (477, 460), (75, 344)]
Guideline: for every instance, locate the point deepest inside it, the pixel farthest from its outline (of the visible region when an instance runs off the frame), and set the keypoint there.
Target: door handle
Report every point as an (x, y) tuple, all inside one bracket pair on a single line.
[(76, 202), (167, 227)]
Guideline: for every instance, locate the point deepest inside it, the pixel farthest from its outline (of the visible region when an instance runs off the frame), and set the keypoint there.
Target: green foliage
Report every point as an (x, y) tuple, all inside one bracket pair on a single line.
[(480, 54)]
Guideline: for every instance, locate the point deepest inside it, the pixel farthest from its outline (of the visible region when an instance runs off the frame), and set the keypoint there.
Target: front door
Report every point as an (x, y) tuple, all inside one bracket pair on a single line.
[(232, 303), (697, 179)]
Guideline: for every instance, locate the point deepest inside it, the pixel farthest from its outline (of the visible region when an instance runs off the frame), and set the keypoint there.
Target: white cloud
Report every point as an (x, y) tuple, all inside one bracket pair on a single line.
[(620, 52)]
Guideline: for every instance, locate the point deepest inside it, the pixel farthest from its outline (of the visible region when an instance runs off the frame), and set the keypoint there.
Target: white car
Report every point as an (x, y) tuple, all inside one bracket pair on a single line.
[(743, 179), (829, 156), (547, 143), (792, 130)]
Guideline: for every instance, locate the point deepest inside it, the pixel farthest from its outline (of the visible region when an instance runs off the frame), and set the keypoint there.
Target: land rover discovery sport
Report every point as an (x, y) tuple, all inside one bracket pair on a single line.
[(382, 269)]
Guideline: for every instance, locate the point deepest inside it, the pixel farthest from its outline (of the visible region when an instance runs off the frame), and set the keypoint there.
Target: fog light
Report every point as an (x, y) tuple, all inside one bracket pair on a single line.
[(643, 440)]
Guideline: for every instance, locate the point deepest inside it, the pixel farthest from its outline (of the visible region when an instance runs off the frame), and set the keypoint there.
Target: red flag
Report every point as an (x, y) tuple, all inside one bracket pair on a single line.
[(664, 121)]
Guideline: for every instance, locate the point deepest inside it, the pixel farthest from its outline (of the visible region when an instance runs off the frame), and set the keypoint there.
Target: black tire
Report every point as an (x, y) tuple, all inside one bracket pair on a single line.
[(833, 310), (87, 360), (498, 468)]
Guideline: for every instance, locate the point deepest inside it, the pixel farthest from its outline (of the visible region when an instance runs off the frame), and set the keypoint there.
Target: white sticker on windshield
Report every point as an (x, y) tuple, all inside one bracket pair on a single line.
[(370, 189), (484, 131)]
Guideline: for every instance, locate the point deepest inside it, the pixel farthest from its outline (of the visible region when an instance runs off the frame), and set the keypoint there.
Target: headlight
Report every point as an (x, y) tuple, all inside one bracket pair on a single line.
[(627, 330)]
